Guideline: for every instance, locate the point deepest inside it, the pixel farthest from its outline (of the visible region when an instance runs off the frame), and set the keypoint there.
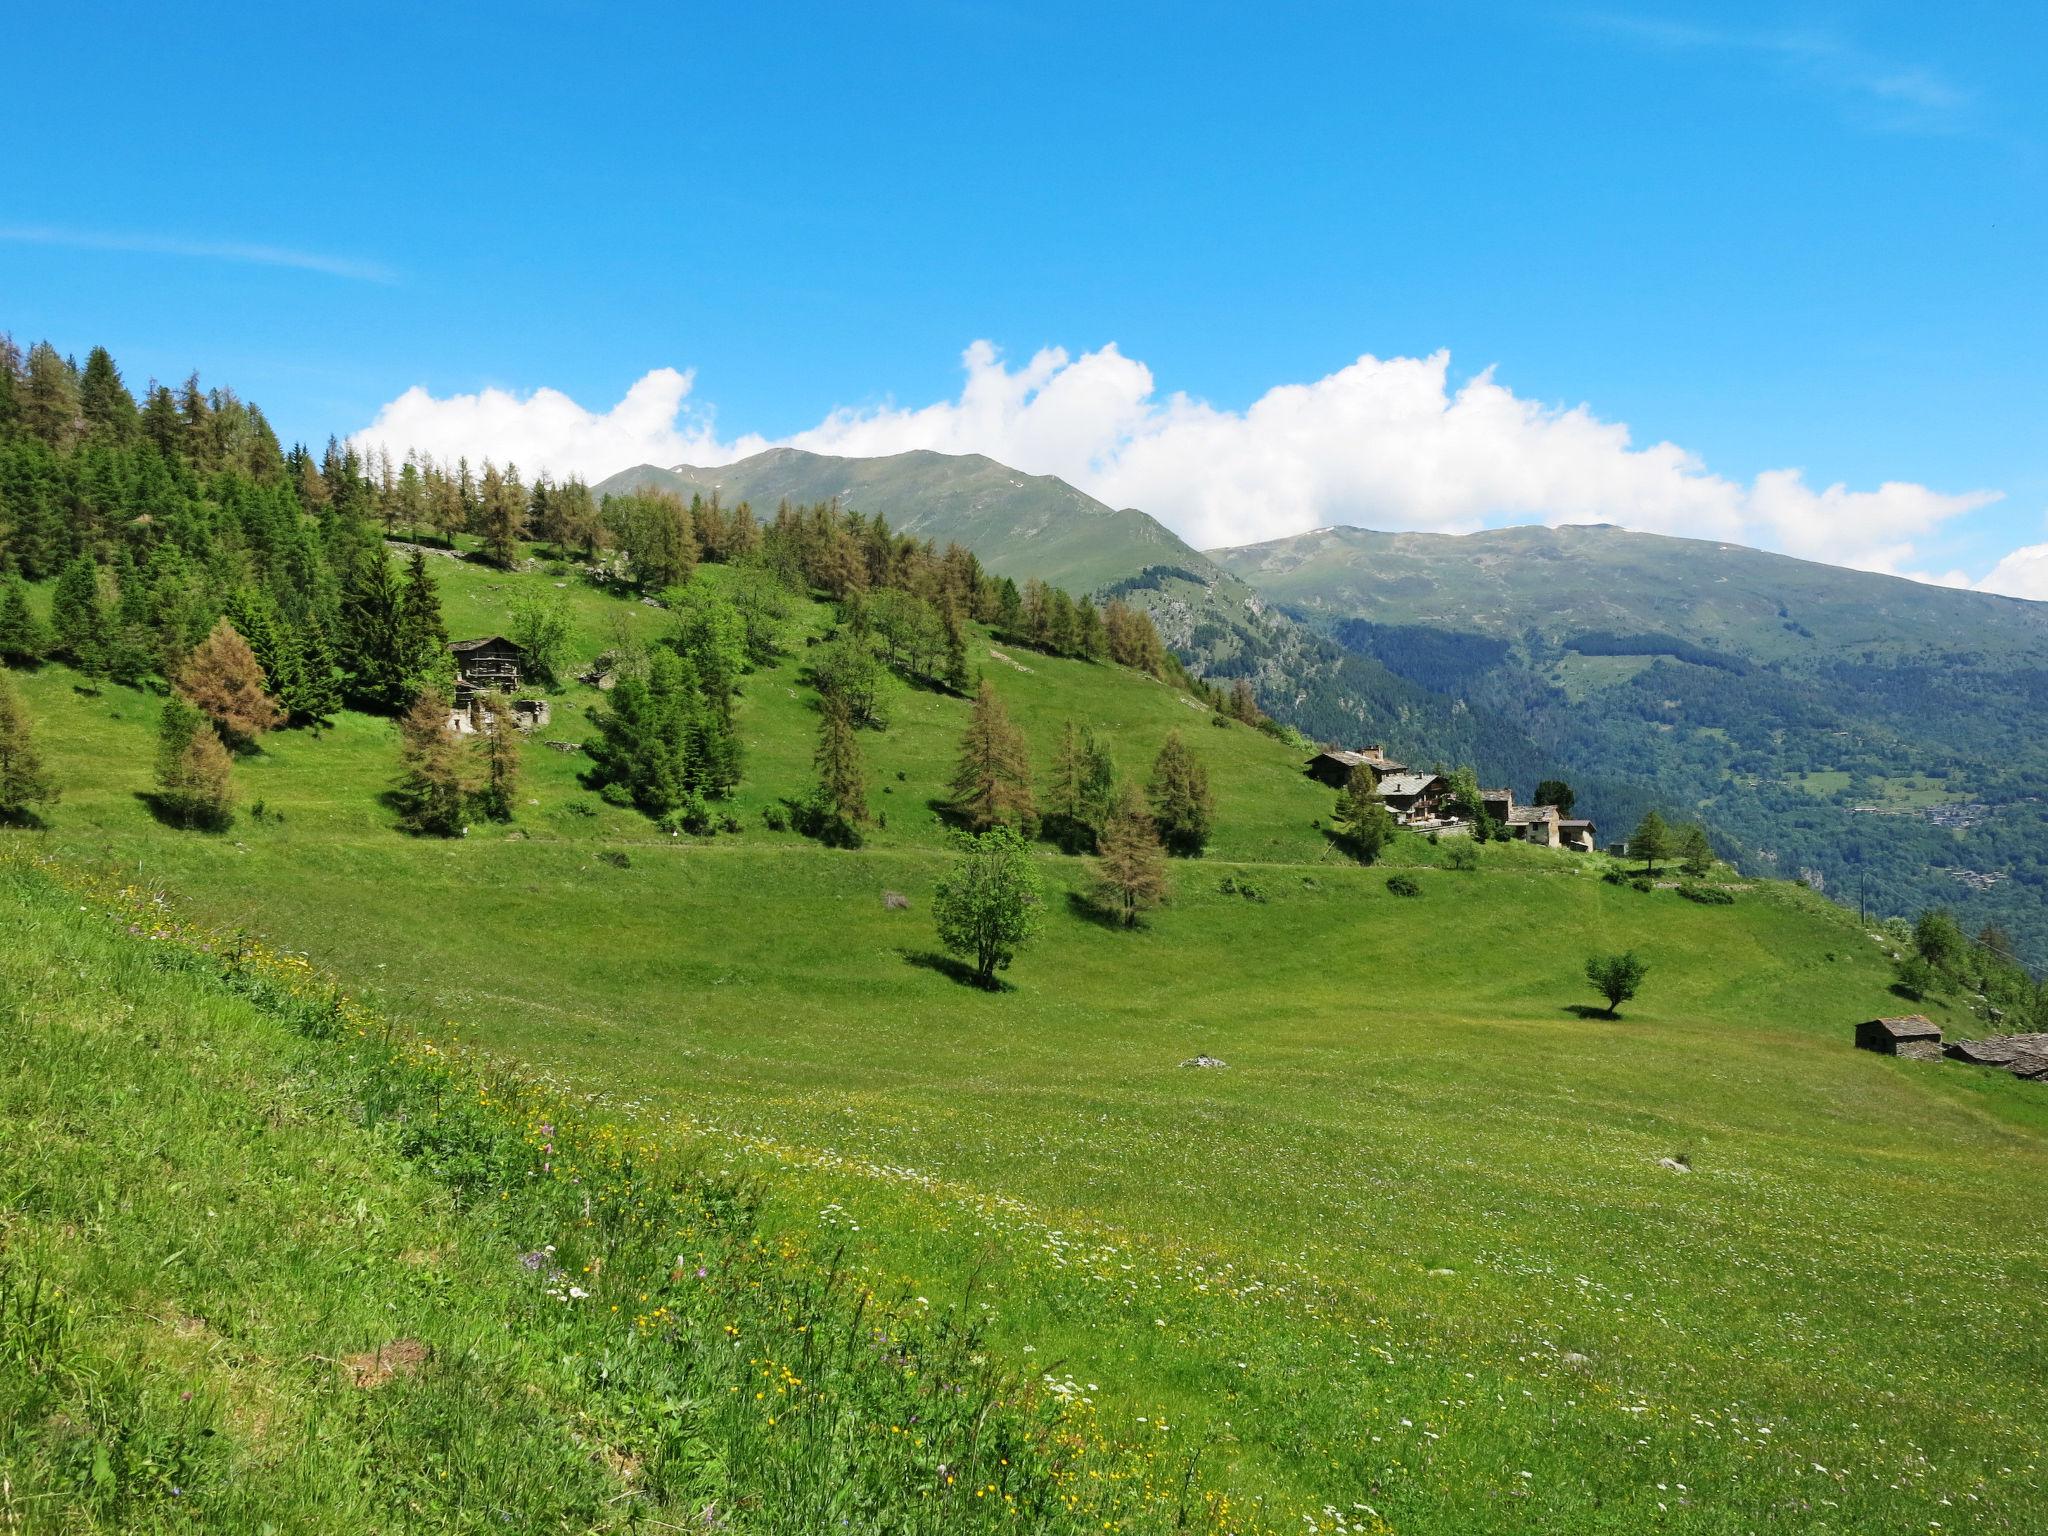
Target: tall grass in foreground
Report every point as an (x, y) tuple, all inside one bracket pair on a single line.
[(269, 1263)]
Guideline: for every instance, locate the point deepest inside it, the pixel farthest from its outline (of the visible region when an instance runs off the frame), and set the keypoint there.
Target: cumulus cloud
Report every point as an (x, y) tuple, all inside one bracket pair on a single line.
[(1383, 442), (2023, 573), (547, 430)]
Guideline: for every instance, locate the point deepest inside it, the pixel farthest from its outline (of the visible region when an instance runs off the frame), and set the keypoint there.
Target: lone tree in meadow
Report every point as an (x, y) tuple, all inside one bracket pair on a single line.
[(1182, 807), (1651, 841), (24, 782), (840, 800), (223, 681), (1130, 866), (433, 782), (194, 773), (1616, 977), (497, 769), (989, 907), (1363, 820), (1695, 851), (991, 785), (22, 641)]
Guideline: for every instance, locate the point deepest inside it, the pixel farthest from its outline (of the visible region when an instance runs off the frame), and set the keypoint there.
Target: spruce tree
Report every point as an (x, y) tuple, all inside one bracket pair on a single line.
[(80, 631), (433, 783), (422, 637), (1695, 851), (1130, 865), (373, 632), (24, 782), (221, 676), (194, 774), (991, 786), (22, 640), (955, 675), (1181, 803), (103, 400), (841, 798)]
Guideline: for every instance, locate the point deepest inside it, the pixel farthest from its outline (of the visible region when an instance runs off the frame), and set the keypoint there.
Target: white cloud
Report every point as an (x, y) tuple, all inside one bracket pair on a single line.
[(1386, 443), (2023, 573), (548, 430)]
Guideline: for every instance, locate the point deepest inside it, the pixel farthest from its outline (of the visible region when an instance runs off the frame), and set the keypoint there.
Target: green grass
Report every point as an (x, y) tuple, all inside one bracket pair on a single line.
[(1413, 1244)]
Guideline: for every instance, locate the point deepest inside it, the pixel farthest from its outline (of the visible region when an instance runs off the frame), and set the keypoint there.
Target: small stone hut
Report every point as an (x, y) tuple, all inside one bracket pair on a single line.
[(1912, 1035)]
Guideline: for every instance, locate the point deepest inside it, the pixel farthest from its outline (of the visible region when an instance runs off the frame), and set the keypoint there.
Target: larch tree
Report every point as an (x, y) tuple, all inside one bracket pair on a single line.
[(1362, 816), (496, 775), (1182, 806), (433, 784), (841, 797), (1651, 841), (221, 676), (1695, 851), (500, 516), (24, 782), (1130, 865), (991, 785), (194, 774)]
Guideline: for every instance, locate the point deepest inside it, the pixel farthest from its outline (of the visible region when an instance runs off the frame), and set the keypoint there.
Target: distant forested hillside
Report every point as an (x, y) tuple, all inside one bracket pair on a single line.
[(1877, 737)]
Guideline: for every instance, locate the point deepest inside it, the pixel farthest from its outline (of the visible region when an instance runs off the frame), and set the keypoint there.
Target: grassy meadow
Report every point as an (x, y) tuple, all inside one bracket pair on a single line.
[(1412, 1262)]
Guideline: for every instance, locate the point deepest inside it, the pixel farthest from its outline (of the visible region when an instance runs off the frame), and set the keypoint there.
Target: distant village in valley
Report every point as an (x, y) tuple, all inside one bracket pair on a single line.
[(1421, 801)]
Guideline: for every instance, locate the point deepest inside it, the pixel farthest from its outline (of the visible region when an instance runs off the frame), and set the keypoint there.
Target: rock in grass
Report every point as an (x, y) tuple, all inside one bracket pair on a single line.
[(895, 901), (1204, 1061), (1675, 1164)]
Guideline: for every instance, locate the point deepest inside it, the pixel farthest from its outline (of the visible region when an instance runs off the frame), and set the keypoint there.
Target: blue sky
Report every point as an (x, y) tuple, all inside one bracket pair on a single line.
[(1778, 236)]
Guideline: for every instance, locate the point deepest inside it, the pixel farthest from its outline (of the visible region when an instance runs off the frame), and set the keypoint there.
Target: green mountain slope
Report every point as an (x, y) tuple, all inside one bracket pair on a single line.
[(1414, 1242), (1019, 525), (1873, 735)]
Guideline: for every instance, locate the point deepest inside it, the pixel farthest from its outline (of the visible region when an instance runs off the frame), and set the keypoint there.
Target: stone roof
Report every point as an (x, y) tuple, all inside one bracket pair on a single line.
[(1406, 783), (1912, 1026)]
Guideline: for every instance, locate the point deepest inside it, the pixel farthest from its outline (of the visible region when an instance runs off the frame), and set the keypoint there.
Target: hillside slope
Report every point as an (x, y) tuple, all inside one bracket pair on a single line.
[(1017, 524), (1873, 735), (1413, 1249)]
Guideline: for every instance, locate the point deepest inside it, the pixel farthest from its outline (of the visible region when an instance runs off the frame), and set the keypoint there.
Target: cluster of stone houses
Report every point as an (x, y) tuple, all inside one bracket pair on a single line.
[(1422, 801)]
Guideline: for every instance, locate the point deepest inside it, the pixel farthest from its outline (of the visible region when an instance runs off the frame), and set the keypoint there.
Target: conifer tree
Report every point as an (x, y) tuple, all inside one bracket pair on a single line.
[(103, 400), (222, 677), (1179, 793), (1130, 865), (24, 782), (433, 781), (497, 753), (422, 636), (1695, 851), (991, 786), (955, 675), (22, 640), (1362, 816), (641, 755), (80, 631), (841, 797), (194, 774), (500, 516), (1651, 841)]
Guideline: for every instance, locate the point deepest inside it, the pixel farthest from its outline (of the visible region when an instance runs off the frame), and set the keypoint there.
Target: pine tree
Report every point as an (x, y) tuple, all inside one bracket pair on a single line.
[(22, 641), (422, 636), (222, 677), (433, 782), (991, 786), (1181, 803), (1695, 851), (80, 631), (955, 676), (24, 782), (48, 402), (1130, 866), (103, 400), (194, 774), (642, 750), (841, 798), (372, 632)]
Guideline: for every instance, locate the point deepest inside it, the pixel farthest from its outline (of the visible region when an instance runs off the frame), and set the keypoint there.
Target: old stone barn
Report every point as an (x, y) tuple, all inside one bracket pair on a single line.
[(490, 665), (1911, 1035)]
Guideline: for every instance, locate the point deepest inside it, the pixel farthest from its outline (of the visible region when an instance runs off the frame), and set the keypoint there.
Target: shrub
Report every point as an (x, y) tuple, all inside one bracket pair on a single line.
[(775, 819), (1403, 885), (1462, 855), (1708, 895), (1237, 885)]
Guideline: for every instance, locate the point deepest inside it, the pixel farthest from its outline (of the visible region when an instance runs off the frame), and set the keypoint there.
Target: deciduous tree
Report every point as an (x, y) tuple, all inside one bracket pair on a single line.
[(434, 781), (1363, 820), (1616, 977), (989, 906)]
